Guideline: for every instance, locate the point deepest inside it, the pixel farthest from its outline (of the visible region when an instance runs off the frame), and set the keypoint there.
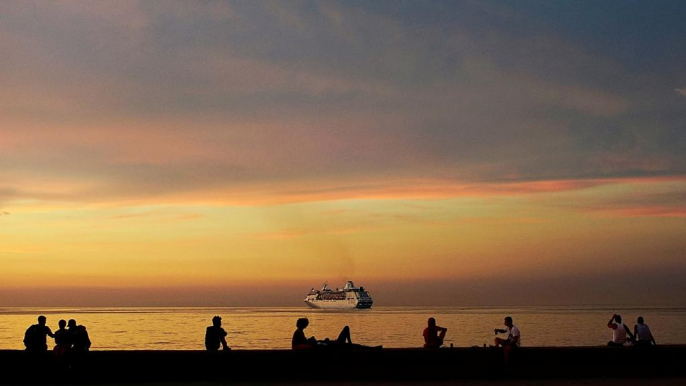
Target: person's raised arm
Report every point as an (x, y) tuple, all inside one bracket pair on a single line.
[(611, 324)]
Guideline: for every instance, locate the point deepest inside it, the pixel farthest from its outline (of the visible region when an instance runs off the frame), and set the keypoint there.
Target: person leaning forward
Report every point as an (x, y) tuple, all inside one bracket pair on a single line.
[(513, 335), (513, 341)]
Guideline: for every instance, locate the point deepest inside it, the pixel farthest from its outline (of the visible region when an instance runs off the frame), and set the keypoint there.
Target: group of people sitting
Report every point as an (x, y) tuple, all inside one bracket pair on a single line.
[(641, 336), (71, 339), (215, 337)]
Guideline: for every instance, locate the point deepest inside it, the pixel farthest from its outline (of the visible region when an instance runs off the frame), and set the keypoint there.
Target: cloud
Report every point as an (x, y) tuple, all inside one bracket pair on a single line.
[(681, 91), (133, 101)]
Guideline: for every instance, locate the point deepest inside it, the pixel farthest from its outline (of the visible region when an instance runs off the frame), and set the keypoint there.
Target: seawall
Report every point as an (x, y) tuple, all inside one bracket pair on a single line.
[(345, 365)]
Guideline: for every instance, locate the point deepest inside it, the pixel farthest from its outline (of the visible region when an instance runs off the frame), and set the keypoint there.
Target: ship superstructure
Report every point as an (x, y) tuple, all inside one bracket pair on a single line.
[(348, 297)]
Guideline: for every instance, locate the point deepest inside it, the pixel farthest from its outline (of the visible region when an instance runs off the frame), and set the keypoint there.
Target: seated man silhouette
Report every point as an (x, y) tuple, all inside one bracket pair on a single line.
[(35, 337), (619, 331), (433, 334), (513, 340), (215, 336)]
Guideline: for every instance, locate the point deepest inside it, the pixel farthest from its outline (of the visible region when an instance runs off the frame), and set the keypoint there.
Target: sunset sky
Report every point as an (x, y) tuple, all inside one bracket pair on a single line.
[(435, 152)]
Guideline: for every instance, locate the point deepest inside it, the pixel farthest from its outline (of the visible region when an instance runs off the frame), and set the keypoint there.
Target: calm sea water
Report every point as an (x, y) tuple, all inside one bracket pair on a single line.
[(392, 327)]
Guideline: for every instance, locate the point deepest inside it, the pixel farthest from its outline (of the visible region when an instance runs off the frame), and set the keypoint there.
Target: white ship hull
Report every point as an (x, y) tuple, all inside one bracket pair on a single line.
[(336, 304), (350, 297)]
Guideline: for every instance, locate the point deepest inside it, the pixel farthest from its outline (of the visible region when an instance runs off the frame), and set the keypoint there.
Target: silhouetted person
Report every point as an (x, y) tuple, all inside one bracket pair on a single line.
[(80, 344), (35, 337), (433, 334), (513, 334), (513, 340), (642, 335), (215, 336), (619, 331), (78, 337), (344, 341), (62, 344), (300, 341)]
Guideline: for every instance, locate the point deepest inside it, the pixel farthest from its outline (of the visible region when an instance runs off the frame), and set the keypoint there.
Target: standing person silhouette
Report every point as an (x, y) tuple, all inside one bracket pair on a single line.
[(433, 334), (215, 336), (35, 337)]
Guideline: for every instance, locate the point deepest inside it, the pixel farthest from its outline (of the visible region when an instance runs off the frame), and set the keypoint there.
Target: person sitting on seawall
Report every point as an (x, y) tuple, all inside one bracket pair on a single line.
[(215, 336), (642, 335), (35, 337), (302, 342), (433, 334), (513, 341), (78, 337), (62, 343), (619, 331), (513, 334)]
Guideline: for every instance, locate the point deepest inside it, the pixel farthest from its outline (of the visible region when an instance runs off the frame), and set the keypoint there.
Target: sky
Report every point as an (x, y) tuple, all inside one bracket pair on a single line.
[(438, 153)]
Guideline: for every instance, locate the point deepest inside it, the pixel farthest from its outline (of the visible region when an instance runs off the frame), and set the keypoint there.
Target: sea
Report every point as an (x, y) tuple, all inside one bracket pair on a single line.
[(271, 328)]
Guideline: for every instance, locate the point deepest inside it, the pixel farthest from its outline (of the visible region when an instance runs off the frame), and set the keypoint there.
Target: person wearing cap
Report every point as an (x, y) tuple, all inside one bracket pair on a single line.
[(215, 336)]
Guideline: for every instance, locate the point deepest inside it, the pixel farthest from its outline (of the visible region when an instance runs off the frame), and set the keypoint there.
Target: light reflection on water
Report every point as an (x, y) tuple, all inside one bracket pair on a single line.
[(392, 327)]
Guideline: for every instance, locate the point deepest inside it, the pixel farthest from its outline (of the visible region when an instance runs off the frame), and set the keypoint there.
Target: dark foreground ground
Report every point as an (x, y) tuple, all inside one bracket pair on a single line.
[(624, 381), (545, 366)]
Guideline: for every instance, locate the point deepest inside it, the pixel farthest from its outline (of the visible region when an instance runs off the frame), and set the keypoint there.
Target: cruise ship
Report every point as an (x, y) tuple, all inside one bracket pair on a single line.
[(348, 297)]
